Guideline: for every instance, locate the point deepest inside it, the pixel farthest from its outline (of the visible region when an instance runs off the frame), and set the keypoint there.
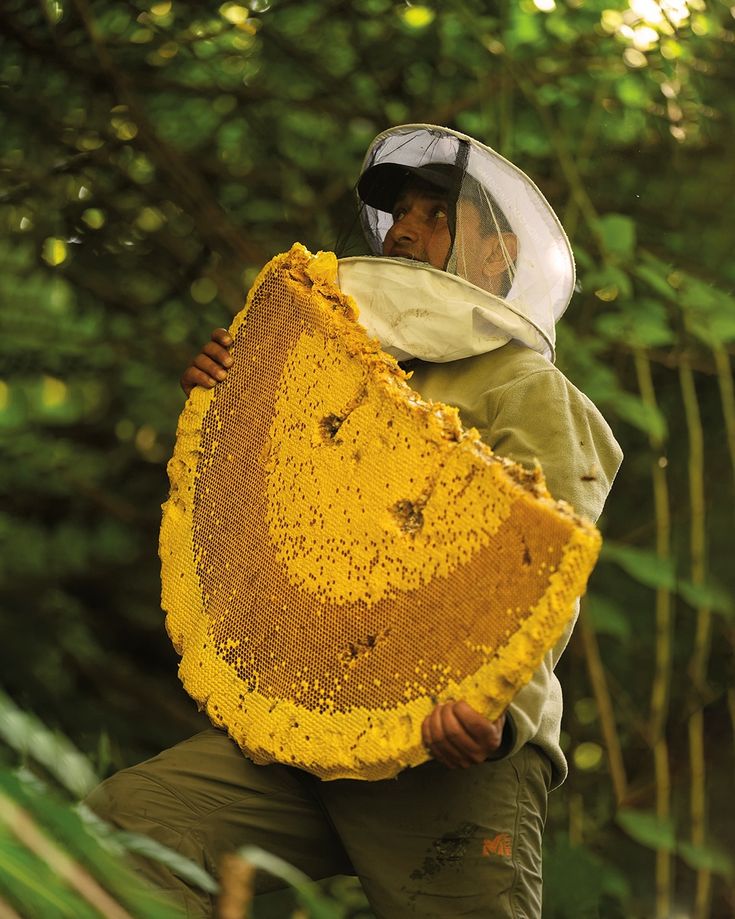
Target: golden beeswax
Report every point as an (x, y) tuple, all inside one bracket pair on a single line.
[(338, 555)]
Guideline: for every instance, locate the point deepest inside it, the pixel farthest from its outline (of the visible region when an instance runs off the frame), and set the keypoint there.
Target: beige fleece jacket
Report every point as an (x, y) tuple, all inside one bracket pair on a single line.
[(527, 410)]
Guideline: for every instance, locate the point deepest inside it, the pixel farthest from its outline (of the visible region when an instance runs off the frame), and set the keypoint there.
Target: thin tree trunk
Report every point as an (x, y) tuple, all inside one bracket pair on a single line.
[(601, 692), (700, 652), (663, 644)]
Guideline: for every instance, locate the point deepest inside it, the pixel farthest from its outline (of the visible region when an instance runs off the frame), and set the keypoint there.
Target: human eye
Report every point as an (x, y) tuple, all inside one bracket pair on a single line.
[(439, 212), (398, 213)]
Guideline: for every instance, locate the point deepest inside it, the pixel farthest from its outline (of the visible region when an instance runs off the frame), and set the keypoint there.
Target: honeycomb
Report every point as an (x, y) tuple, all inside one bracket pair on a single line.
[(339, 555)]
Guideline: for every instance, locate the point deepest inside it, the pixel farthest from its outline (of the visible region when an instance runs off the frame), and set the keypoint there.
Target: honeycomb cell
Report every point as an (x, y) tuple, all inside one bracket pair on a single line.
[(338, 554)]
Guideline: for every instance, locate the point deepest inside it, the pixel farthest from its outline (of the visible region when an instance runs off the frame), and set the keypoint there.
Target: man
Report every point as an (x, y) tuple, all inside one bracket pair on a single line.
[(460, 835)]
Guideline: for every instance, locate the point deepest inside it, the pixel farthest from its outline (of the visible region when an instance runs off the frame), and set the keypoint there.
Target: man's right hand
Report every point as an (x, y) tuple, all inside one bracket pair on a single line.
[(211, 364)]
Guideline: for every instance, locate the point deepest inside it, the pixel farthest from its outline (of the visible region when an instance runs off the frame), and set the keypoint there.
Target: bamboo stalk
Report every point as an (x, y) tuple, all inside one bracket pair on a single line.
[(601, 692), (700, 652), (237, 886), (727, 395), (7, 911), (590, 133), (25, 829), (505, 115), (576, 820), (660, 689)]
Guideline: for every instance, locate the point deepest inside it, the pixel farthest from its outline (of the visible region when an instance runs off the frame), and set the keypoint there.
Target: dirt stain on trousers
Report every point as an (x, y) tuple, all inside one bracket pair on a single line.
[(445, 851)]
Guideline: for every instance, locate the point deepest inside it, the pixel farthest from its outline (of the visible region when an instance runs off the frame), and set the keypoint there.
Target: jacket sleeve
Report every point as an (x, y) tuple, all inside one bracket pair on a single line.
[(543, 417)]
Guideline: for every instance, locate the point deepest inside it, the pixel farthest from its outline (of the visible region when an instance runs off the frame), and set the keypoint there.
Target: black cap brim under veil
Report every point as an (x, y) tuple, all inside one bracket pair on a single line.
[(380, 185)]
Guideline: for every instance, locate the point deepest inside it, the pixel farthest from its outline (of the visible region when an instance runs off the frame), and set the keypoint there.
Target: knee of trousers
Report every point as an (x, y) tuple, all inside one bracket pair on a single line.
[(136, 804)]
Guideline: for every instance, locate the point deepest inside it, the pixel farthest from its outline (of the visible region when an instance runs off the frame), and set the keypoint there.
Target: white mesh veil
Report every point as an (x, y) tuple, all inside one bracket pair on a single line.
[(493, 207)]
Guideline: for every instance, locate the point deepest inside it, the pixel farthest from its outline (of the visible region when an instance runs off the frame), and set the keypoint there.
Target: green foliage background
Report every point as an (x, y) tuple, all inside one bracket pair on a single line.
[(154, 156)]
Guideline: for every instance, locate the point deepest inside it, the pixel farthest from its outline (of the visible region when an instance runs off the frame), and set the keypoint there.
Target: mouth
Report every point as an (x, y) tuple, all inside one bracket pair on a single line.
[(398, 253)]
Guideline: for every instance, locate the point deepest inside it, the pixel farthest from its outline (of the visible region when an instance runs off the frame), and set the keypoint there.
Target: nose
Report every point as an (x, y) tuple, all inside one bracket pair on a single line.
[(406, 228)]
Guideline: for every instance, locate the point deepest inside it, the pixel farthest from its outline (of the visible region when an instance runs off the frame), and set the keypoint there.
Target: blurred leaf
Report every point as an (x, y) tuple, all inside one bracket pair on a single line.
[(618, 234), (711, 596), (31, 886), (645, 417), (307, 891), (587, 756), (645, 567), (650, 272), (54, 251), (607, 617), (609, 283), (35, 886), (524, 27), (29, 737), (709, 310), (647, 829), (632, 91), (641, 564), (645, 323), (576, 882), (121, 841), (707, 858)]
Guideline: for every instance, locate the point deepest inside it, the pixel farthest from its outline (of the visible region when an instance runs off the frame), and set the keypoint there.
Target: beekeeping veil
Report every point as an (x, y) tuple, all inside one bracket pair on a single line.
[(477, 301)]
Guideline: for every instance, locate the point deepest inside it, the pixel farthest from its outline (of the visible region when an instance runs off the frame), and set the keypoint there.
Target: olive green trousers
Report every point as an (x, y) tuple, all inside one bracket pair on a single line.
[(433, 842)]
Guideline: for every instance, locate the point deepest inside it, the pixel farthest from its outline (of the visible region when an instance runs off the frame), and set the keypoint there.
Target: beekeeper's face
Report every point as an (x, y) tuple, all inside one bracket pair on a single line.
[(421, 231), (420, 226)]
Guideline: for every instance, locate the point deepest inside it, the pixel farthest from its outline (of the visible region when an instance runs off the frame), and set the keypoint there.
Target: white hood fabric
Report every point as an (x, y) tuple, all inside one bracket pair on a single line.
[(543, 275), (415, 310)]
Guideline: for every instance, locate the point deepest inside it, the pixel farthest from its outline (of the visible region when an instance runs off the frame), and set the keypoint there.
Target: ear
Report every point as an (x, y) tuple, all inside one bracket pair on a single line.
[(499, 248)]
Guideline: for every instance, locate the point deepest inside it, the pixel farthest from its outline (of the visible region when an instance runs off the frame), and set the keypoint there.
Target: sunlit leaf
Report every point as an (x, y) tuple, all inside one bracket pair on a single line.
[(418, 17), (54, 251), (150, 219), (587, 756), (234, 13)]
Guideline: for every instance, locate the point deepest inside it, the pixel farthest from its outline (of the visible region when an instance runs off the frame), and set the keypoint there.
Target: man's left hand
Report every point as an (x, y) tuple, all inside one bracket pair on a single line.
[(458, 736)]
